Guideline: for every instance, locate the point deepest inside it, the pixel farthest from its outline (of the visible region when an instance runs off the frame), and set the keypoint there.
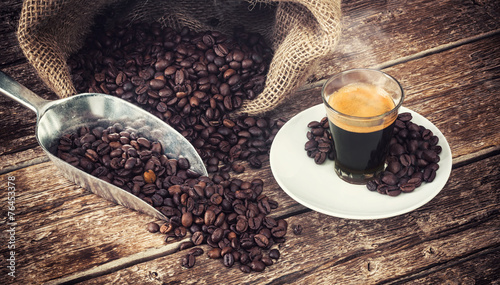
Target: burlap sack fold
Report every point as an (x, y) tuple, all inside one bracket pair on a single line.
[(301, 33)]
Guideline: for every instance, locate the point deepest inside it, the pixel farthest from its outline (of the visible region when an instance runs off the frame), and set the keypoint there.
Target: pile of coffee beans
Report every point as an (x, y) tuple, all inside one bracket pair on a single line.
[(230, 215), (413, 155), (320, 143), (191, 80)]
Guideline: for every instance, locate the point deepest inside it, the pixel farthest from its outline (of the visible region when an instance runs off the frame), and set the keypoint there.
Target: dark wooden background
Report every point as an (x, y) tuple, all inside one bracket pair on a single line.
[(445, 53)]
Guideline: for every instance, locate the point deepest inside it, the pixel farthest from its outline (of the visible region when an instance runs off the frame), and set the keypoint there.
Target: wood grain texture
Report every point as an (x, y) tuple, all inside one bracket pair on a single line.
[(18, 122), (447, 56), (70, 225), (459, 100), (486, 264), (457, 90), (63, 228), (9, 18), (460, 222), (375, 32), (14, 161), (64, 215)]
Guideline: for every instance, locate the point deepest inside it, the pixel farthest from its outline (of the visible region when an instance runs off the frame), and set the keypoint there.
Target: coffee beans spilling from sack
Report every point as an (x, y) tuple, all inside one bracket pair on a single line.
[(413, 155), (230, 215), (191, 80)]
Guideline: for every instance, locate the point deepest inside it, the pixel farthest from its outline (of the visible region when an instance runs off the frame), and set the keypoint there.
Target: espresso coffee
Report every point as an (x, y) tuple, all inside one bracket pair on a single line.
[(358, 153), (361, 115)]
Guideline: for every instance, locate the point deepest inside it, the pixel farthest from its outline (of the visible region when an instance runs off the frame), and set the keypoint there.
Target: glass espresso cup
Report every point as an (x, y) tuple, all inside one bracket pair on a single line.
[(362, 106)]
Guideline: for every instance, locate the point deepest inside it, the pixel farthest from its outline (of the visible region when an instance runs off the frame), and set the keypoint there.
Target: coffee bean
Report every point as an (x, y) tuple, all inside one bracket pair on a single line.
[(187, 219), (228, 260), (267, 260), (261, 240), (188, 261), (217, 235), (214, 253), (153, 227), (257, 266), (197, 238), (297, 229), (278, 231), (196, 251), (274, 254), (245, 268), (389, 178)]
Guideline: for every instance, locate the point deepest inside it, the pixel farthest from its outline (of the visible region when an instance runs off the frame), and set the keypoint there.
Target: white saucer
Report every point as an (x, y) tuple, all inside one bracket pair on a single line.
[(319, 188)]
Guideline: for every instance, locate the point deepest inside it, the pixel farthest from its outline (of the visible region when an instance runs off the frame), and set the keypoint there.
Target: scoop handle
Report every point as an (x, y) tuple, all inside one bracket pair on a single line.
[(13, 89)]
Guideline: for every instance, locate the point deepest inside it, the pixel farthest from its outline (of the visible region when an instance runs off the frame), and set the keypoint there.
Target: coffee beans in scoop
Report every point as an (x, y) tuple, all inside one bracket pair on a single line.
[(413, 155)]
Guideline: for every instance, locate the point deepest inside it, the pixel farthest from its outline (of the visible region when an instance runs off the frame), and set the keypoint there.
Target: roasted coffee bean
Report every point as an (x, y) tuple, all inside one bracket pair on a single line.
[(186, 245), (180, 232), (267, 260), (197, 251), (257, 266), (261, 240), (188, 261), (228, 260), (245, 268), (407, 187), (153, 227), (297, 229), (214, 253), (187, 219), (274, 254), (209, 217), (197, 238), (389, 178), (217, 235), (278, 231)]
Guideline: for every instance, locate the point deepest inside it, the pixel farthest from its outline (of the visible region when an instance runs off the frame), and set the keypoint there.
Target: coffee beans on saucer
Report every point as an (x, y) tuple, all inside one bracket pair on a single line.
[(413, 155)]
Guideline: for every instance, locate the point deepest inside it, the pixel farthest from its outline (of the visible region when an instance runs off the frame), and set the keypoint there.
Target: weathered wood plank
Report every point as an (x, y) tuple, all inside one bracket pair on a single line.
[(487, 265), (466, 210), (450, 98), (405, 27), (375, 32), (14, 161), (273, 190), (460, 222), (9, 17), (61, 224), (460, 100), (62, 228), (18, 122)]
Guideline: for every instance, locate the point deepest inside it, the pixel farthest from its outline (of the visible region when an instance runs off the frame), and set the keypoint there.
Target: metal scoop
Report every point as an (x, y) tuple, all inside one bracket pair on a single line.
[(55, 118)]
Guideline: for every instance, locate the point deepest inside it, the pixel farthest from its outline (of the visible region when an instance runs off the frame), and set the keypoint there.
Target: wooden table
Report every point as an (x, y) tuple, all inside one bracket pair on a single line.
[(445, 53)]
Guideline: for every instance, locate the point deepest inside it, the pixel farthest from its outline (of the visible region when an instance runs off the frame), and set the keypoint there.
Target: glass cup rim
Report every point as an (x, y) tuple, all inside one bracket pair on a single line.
[(396, 107)]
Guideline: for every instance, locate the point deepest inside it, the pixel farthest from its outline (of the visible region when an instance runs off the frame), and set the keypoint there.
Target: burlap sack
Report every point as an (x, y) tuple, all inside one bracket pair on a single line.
[(301, 33)]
